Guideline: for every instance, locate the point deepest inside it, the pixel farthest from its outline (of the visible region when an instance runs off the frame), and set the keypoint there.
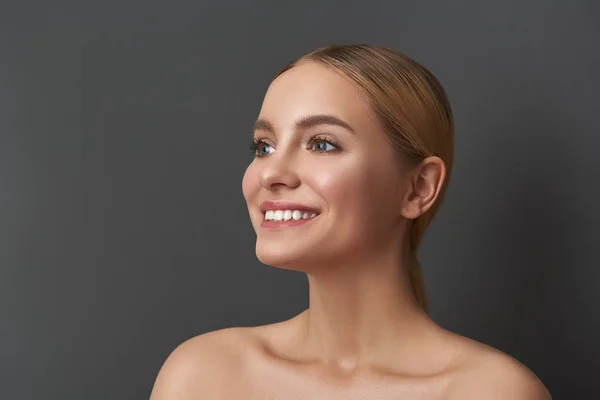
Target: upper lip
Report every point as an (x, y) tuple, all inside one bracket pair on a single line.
[(285, 205)]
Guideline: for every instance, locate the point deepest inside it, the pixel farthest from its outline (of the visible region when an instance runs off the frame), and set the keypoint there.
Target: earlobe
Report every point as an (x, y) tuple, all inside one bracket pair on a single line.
[(424, 187)]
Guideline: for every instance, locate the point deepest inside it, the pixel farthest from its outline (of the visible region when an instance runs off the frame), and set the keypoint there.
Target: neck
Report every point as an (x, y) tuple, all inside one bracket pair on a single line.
[(358, 311)]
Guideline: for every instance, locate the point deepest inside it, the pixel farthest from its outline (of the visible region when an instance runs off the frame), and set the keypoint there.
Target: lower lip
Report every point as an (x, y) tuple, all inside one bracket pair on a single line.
[(285, 224)]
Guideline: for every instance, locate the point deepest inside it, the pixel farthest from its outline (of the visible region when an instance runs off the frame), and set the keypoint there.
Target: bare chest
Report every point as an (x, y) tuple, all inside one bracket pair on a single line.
[(285, 385), (292, 392)]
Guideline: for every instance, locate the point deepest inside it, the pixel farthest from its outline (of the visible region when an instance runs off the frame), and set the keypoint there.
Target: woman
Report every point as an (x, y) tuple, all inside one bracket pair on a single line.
[(353, 148)]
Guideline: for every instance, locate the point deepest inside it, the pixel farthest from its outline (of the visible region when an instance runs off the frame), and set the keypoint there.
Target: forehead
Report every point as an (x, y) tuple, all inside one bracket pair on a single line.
[(313, 88)]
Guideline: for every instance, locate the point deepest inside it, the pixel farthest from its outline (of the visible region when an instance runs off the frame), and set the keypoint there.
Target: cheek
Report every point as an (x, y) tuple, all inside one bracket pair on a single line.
[(361, 192), (250, 182), (250, 189), (344, 187)]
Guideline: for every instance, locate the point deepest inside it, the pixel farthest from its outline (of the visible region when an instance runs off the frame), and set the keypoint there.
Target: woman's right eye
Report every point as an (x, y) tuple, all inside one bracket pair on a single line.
[(264, 149), (260, 148)]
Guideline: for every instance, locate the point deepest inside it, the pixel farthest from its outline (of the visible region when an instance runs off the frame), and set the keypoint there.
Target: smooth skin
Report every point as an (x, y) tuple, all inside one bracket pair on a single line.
[(363, 336)]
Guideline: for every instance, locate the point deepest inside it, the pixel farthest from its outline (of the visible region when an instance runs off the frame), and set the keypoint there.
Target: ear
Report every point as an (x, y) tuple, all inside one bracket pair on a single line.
[(423, 188)]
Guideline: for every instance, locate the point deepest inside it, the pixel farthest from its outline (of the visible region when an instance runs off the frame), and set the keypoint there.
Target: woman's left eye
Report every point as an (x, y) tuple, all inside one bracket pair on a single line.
[(322, 145)]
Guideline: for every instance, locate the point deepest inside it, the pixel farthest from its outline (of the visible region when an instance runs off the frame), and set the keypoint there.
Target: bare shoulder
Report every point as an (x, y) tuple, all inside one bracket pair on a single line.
[(200, 364), (491, 374)]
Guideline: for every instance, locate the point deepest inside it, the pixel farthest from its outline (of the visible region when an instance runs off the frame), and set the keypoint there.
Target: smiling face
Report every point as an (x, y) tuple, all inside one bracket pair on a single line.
[(318, 145)]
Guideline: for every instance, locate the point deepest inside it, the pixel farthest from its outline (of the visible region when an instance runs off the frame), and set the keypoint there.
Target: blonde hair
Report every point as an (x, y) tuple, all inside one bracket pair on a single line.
[(413, 109)]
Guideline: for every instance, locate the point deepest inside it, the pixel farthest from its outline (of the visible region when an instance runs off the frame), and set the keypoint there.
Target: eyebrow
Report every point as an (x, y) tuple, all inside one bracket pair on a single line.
[(306, 122)]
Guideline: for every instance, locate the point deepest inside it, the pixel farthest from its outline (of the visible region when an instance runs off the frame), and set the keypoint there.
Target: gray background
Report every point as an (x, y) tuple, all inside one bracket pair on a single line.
[(123, 139)]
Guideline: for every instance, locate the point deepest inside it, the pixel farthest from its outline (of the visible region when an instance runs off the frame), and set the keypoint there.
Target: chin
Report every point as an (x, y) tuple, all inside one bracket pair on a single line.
[(292, 257), (279, 256)]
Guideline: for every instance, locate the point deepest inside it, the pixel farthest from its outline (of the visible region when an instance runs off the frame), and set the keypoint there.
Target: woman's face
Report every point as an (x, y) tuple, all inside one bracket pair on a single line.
[(349, 176)]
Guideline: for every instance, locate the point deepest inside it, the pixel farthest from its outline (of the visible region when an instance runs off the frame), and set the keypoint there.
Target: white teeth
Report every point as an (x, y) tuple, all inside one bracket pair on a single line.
[(287, 215), (278, 215)]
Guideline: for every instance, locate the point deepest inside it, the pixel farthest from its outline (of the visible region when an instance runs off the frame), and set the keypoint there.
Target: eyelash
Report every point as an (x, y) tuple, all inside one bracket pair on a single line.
[(256, 143)]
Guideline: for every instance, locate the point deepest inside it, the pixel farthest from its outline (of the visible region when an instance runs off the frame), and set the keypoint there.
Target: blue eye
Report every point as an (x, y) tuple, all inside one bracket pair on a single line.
[(259, 148), (317, 144), (264, 149), (323, 145)]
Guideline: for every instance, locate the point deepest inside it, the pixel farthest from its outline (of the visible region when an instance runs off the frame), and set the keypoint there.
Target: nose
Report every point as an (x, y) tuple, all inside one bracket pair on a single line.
[(278, 170)]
